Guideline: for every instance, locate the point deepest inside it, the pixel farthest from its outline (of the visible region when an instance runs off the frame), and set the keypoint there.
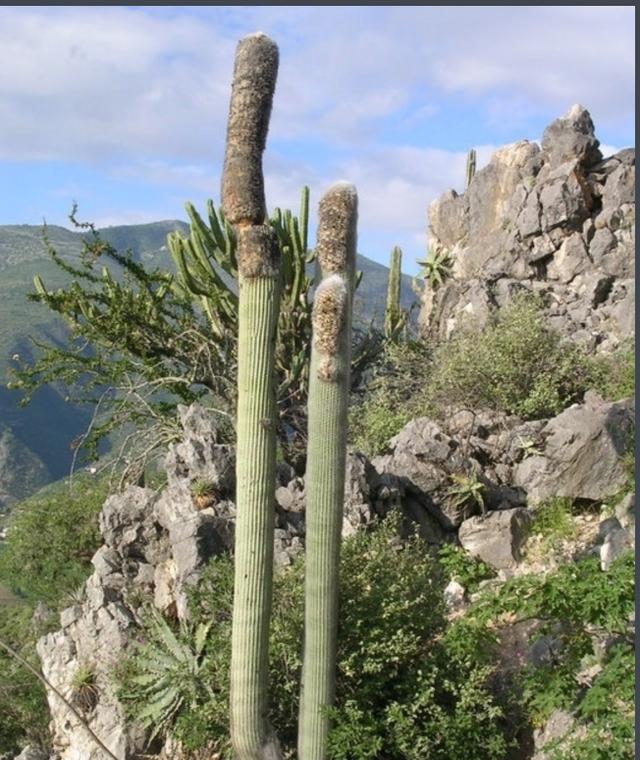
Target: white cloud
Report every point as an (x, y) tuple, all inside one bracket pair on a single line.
[(101, 82), (143, 92)]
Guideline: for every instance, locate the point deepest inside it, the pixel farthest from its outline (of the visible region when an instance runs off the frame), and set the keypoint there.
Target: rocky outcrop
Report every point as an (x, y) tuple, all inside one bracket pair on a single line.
[(557, 220), (154, 546), (581, 454)]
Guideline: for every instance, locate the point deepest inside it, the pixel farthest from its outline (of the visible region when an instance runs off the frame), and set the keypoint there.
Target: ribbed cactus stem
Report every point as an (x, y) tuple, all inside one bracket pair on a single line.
[(471, 166), (243, 202), (393, 315), (326, 459)]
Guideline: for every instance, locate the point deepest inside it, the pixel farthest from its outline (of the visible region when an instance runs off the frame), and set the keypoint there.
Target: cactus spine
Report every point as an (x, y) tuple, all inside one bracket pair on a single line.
[(243, 201), (471, 166), (393, 317), (326, 455)]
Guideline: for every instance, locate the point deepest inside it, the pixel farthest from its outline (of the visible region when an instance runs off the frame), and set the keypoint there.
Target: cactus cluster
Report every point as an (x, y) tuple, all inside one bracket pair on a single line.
[(258, 242)]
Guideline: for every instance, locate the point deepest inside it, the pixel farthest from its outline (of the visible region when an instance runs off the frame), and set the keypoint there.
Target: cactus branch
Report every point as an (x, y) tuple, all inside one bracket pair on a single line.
[(471, 166), (394, 318)]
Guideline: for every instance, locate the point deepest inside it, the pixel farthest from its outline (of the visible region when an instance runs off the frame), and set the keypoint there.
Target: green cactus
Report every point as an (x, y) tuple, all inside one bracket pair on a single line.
[(471, 166), (243, 201), (194, 257), (326, 455), (394, 316)]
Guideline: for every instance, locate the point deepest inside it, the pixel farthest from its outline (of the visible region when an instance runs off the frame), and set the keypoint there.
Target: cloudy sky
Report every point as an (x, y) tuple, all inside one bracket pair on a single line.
[(123, 109)]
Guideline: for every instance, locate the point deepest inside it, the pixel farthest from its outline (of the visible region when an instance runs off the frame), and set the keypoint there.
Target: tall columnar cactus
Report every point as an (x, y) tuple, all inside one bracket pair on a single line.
[(326, 455), (393, 316), (243, 201), (471, 166)]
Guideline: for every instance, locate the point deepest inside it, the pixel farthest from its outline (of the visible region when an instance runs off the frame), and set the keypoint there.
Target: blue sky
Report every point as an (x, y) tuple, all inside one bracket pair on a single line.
[(123, 109)]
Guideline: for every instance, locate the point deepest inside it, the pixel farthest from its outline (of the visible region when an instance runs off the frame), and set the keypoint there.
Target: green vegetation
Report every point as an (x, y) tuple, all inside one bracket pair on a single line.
[(577, 606), (51, 540), (167, 676), (516, 365), (460, 566), (554, 521), (613, 375), (437, 268), (467, 488), (393, 390), (402, 690), (23, 703), (85, 692)]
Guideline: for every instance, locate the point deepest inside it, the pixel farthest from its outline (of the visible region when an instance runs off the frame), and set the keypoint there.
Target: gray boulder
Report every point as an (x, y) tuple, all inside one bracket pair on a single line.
[(560, 725), (424, 458), (616, 543), (497, 539), (582, 453), (572, 136)]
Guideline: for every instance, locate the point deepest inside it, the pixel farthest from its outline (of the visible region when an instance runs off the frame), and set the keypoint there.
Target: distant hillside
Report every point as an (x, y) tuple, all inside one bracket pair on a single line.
[(35, 440)]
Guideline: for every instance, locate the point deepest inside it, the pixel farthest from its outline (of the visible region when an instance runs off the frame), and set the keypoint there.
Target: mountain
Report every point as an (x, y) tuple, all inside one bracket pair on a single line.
[(35, 441)]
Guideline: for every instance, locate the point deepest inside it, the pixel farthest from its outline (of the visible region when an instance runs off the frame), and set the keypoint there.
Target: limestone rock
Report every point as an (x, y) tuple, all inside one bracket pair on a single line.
[(559, 725), (582, 453), (497, 538), (572, 136), (626, 511), (616, 542), (558, 221)]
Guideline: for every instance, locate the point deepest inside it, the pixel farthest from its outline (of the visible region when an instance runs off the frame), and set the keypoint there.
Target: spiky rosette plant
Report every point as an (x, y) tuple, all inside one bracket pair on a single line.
[(326, 455), (243, 201)]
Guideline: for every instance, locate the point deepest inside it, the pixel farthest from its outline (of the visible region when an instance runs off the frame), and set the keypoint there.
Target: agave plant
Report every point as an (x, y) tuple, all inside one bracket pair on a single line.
[(466, 489), (85, 689), (165, 673), (437, 268)]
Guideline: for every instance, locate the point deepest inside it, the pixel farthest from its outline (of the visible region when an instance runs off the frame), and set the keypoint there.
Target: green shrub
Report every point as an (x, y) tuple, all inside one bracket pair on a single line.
[(613, 375), (50, 542), (374, 422), (516, 365), (460, 566), (401, 692), (554, 520), (394, 385), (573, 604), (23, 703)]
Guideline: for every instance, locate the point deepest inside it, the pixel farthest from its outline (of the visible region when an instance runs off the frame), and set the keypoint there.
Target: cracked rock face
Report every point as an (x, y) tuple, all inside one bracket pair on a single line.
[(581, 457), (557, 220), (154, 547)]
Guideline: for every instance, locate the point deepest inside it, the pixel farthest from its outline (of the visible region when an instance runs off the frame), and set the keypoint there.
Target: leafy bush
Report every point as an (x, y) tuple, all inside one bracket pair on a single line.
[(393, 384), (460, 566), (402, 693), (516, 365), (613, 375), (554, 520), (23, 703), (50, 542), (374, 422), (576, 605)]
